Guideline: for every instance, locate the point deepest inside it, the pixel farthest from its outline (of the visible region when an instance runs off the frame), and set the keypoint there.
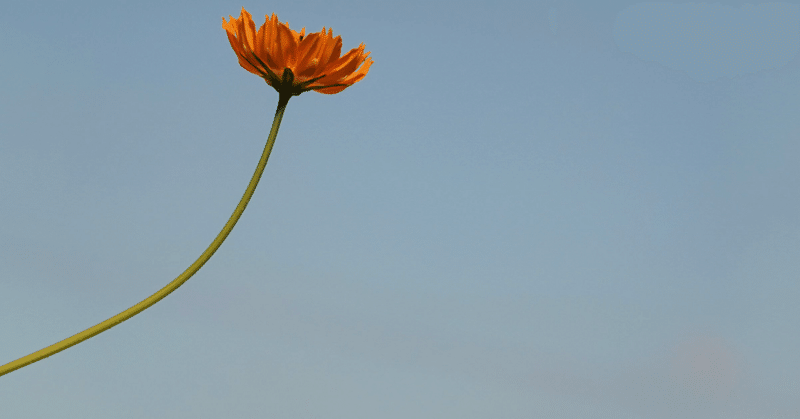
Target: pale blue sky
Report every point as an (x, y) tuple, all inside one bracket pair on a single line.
[(526, 209)]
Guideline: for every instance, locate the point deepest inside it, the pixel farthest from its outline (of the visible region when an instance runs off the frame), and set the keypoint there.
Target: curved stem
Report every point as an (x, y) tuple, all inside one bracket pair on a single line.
[(177, 282)]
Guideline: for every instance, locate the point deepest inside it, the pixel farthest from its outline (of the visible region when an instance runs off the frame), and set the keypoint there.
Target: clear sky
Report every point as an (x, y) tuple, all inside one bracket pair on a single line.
[(525, 210)]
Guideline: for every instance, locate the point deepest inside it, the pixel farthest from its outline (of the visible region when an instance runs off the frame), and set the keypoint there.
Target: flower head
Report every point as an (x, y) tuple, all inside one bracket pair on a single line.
[(292, 62)]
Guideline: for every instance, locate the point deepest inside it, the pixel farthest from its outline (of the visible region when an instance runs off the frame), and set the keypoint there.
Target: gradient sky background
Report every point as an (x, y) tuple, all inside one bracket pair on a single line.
[(525, 210)]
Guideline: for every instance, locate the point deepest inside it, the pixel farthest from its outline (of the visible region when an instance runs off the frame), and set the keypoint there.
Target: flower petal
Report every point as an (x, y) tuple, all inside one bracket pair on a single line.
[(305, 66), (332, 49), (287, 44), (246, 30), (342, 67), (273, 46)]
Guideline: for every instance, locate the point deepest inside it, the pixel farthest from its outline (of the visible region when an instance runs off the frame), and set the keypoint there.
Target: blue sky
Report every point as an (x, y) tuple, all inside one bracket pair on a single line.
[(526, 209)]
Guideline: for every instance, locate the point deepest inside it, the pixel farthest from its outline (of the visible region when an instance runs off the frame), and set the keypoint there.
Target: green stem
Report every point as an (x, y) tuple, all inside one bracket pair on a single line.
[(177, 282)]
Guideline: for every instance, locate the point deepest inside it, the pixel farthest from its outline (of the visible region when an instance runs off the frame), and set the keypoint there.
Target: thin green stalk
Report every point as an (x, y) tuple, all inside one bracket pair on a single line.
[(177, 282)]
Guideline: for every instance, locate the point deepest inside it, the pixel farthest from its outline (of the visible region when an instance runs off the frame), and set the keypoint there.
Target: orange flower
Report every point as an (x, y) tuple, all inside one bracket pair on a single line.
[(293, 62)]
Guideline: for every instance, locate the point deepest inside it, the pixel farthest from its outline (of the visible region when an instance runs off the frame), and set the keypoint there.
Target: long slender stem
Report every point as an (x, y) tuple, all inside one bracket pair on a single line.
[(177, 282)]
